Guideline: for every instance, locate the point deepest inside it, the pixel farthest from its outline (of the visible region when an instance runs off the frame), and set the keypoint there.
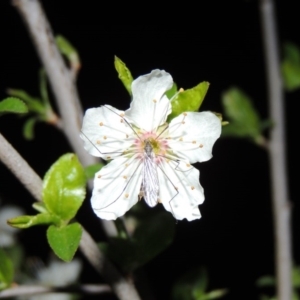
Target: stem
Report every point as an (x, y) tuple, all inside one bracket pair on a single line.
[(61, 81), (281, 206), (19, 167), (30, 290)]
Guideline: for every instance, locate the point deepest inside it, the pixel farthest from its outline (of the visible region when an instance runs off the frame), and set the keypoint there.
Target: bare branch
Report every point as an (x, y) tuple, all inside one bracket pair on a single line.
[(281, 206), (19, 167), (59, 76), (61, 80), (30, 290)]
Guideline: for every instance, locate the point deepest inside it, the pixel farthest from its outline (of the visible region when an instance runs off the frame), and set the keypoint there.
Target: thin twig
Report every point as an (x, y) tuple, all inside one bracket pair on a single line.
[(61, 81), (19, 167), (281, 206), (30, 290)]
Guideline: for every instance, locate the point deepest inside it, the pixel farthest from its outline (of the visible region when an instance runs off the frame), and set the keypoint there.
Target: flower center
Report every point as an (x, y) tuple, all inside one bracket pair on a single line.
[(154, 143)]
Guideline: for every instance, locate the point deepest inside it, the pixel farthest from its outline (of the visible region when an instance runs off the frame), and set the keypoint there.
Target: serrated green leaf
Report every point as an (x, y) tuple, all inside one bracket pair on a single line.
[(13, 105), (291, 67), (188, 100), (28, 128), (39, 219), (124, 74), (64, 187), (64, 241), (149, 239), (68, 50), (91, 170), (6, 270), (243, 118), (34, 104)]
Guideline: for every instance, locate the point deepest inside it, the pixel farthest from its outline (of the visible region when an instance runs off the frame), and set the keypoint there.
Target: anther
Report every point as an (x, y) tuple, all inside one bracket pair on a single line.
[(99, 176), (98, 142), (154, 101), (194, 142), (182, 122), (180, 139), (101, 124), (188, 165), (105, 137), (122, 114), (185, 114), (192, 187), (121, 121), (108, 157), (125, 177), (126, 195), (200, 146)]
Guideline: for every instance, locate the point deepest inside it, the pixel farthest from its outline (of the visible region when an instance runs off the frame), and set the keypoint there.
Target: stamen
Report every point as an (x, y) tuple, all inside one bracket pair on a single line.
[(200, 146), (126, 195), (101, 124)]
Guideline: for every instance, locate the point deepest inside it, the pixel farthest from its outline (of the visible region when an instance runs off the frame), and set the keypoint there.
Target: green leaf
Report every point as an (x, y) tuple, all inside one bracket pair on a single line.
[(188, 100), (28, 128), (39, 219), (6, 270), (149, 239), (291, 66), (91, 170), (124, 74), (243, 118), (34, 104), (40, 207), (68, 50), (13, 105), (64, 241), (172, 91), (64, 187)]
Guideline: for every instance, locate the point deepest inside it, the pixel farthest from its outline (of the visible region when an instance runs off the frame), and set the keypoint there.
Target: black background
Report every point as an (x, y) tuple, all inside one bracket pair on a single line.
[(219, 42)]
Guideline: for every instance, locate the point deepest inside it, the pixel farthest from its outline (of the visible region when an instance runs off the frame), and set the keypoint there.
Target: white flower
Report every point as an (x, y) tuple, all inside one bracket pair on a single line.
[(150, 158)]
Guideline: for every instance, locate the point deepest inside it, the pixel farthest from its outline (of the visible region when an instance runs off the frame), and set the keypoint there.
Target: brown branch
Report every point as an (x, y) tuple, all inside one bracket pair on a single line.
[(19, 167), (281, 206)]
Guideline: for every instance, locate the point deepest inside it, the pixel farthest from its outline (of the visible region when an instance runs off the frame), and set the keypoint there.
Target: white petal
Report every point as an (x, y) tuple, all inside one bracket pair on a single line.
[(180, 191), (105, 132), (116, 187), (193, 135), (150, 107)]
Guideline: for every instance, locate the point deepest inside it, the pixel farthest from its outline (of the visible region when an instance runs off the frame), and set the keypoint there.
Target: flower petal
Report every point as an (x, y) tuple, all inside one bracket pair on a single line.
[(116, 187), (105, 132), (180, 190), (150, 107), (192, 135)]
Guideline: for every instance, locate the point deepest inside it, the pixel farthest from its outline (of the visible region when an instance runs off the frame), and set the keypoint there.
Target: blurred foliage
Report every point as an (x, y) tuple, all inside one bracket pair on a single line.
[(193, 286), (40, 109), (244, 120), (69, 51), (290, 67), (269, 281)]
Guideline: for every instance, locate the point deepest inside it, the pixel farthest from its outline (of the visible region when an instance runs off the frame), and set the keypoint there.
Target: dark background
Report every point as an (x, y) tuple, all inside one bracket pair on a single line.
[(219, 42)]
